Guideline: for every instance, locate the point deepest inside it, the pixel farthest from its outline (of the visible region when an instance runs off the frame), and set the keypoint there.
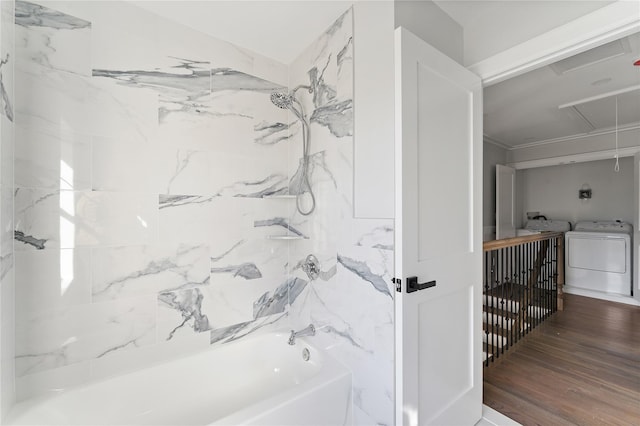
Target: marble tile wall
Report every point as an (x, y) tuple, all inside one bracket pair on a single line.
[(146, 160), (351, 302), (145, 155), (7, 258)]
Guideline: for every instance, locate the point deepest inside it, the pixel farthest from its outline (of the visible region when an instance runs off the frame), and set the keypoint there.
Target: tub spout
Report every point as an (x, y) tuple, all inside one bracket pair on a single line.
[(309, 331)]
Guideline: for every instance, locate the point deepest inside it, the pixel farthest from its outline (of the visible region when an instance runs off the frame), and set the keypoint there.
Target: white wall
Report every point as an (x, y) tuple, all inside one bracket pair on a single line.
[(374, 90), (553, 191), (373, 109), (429, 22), (492, 155)]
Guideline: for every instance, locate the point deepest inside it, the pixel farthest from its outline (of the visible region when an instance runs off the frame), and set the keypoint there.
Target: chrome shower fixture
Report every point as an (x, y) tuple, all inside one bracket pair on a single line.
[(282, 100), (311, 267), (289, 101)]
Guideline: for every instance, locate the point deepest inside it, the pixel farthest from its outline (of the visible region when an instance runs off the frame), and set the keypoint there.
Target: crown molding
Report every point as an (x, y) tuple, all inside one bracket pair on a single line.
[(495, 142), (575, 158), (600, 132)]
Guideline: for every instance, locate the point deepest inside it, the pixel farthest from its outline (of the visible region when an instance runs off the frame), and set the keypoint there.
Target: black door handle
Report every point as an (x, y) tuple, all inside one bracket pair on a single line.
[(413, 285)]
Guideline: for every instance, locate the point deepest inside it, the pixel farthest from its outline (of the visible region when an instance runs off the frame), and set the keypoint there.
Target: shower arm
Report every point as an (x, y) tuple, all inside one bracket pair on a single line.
[(301, 86)]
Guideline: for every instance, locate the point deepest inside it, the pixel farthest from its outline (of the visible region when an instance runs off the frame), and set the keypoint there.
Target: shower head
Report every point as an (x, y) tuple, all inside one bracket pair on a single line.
[(282, 100)]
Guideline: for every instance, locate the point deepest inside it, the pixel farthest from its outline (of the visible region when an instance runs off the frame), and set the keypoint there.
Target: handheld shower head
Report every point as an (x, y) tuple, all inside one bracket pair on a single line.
[(282, 100)]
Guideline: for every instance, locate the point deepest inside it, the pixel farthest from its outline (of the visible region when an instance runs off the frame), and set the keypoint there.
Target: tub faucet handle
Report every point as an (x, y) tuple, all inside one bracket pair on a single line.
[(309, 331)]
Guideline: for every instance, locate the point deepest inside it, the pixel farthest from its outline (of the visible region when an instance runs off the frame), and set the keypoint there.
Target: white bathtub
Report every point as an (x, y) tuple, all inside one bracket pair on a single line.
[(256, 381)]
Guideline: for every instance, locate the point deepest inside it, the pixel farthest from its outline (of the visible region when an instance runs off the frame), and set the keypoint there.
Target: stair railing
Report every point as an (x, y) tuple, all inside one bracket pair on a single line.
[(523, 279)]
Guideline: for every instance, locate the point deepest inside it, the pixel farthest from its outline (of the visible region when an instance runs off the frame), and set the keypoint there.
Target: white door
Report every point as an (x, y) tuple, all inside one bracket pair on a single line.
[(505, 202), (635, 244), (438, 237)]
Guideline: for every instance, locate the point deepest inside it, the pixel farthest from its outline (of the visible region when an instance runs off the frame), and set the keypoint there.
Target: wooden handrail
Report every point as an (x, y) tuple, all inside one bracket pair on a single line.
[(511, 242)]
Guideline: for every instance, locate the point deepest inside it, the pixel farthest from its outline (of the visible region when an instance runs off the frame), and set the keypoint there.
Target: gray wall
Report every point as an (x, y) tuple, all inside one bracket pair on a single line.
[(426, 20), (492, 155), (553, 191)]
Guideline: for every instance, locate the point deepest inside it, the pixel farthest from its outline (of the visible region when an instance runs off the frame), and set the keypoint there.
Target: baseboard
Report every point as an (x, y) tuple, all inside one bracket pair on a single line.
[(491, 417), (600, 295)]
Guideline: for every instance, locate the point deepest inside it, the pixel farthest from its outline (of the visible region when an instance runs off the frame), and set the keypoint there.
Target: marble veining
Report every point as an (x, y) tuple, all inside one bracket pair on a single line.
[(38, 361), (274, 184), (189, 304), (380, 237), (271, 133), (179, 266), (317, 163), (38, 243), (33, 15), (285, 294), (189, 77), (329, 111), (246, 270), (346, 54), (362, 270), (167, 201), (7, 103), (238, 331), (6, 265), (281, 222)]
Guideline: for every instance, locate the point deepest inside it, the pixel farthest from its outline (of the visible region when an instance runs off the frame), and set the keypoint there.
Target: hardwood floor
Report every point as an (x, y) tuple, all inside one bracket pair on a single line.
[(581, 367)]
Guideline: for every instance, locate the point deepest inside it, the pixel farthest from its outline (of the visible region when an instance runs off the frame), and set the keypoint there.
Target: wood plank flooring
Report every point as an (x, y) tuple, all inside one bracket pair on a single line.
[(581, 367)]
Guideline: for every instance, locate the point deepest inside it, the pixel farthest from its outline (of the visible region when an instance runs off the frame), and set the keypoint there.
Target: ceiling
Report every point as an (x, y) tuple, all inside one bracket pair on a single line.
[(574, 96), (493, 26)]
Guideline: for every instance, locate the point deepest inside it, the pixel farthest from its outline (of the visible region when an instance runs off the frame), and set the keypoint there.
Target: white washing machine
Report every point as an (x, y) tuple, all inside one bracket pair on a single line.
[(598, 257), (536, 226)]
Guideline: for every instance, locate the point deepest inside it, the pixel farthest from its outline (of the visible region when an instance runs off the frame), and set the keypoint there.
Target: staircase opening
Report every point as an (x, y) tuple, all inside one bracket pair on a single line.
[(522, 281)]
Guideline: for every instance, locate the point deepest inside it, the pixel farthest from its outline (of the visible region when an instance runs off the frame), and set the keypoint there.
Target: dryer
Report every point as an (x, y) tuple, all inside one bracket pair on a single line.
[(598, 257)]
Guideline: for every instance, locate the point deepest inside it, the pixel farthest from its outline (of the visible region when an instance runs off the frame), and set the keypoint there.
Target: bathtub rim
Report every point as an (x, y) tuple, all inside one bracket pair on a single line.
[(331, 370)]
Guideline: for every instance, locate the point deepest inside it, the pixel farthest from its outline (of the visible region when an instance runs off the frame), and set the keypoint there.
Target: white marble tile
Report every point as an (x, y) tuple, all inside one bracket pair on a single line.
[(6, 228), (218, 221), (50, 158), (121, 362), (235, 299), (372, 233), (120, 272), (7, 338), (50, 382), (228, 119), (121, 16), (178, 40), (122, 111), (182, 313), (80, 333), (54, 98), (247, 259), (115, 47), (50, 280), (182, 172), (67, 219), (218, 173), (48, 38), (269, 324), (121, 165)]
